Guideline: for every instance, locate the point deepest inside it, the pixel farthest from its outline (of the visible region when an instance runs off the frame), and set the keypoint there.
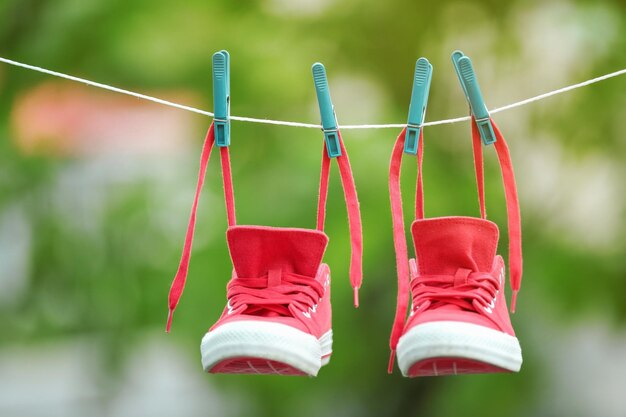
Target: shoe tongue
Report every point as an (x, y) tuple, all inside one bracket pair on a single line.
[(255, 250), (443, 245)]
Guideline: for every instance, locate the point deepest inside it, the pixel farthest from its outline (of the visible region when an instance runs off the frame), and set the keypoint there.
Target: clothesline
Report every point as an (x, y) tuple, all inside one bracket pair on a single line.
[(307, 125)]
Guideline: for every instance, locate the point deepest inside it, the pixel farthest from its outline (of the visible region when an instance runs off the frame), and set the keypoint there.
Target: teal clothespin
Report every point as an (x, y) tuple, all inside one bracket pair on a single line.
[(469, 82), (417, 109), (327, 111), (221, 98)]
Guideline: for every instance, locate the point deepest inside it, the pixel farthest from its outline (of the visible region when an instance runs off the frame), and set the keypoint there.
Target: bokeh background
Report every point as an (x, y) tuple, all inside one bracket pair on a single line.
[(95, 191)]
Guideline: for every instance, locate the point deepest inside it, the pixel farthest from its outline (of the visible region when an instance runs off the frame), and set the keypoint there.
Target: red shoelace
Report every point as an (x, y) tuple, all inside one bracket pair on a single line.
[(472, 291), (275, 294)]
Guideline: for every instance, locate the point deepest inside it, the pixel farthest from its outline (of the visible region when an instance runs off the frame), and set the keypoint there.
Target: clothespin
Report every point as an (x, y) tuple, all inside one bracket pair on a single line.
[(221, 98), (469, 82), (327, 111), (417, 109)]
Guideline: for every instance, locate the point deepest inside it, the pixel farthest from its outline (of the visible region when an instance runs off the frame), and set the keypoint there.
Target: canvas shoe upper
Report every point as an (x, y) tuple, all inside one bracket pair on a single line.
[(458, 273), (278, 276)]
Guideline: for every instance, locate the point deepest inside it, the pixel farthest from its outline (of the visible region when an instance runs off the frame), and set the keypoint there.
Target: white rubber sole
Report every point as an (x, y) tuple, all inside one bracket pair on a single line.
[(269, 341), (451, 339)]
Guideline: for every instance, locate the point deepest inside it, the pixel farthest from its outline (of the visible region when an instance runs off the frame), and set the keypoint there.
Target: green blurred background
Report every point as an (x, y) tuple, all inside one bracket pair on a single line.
[(95, 191)]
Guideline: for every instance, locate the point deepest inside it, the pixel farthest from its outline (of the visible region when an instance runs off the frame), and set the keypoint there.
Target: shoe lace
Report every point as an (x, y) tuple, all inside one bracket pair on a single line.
[(274, 294), (468, 290)]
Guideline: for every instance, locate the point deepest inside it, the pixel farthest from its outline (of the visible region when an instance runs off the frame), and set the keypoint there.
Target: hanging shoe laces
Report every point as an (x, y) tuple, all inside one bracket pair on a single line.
[(352, 205)]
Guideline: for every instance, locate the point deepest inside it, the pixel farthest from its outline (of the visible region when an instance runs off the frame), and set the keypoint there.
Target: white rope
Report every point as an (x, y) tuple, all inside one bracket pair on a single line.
[(559, 91), (276, 122), (307, 125), (104, 86)]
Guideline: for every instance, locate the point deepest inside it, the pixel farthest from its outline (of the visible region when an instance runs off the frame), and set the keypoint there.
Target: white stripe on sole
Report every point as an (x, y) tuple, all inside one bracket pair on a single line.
[(451, 339), (266, 340)]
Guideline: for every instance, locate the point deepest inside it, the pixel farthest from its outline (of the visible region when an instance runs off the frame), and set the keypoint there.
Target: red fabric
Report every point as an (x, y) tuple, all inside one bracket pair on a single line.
[(227, 177), (283, 248), (354, 220), (323, 191), (299, 301), (445, 244), (278, 277), (477, 146), (354, 212), (465, 295), (460, 246), (514, 219), (399, 236), (286, 296), (178, 284), (275, 269), (399, 240), (419, 189), (255, 250)]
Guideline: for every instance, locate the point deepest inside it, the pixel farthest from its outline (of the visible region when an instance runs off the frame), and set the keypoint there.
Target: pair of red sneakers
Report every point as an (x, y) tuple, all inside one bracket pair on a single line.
[(277, 319)]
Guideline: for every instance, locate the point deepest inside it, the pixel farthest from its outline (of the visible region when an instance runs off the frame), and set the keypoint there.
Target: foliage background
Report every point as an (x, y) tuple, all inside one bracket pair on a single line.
[(93, 209)]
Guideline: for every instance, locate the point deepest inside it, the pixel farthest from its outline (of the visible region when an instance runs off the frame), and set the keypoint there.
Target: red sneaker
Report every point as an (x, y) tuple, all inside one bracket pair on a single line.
[(278, 316), (458, 321)]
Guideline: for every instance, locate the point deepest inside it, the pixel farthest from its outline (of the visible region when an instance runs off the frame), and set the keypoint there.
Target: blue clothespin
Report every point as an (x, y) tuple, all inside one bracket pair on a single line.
[(327, 111), (417, 109), (221, 98), (467, 77)]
